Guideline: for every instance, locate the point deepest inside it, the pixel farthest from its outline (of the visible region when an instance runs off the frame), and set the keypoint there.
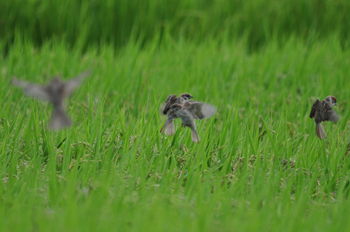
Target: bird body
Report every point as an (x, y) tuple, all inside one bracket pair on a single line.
[(322, 111), (186, 119), (190, 112), (172, 99), (169, 126), (59, 119), (55, 92)]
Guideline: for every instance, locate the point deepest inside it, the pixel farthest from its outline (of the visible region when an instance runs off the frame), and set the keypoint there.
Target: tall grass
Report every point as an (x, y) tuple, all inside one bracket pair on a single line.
[(114, 171), (117, 22)]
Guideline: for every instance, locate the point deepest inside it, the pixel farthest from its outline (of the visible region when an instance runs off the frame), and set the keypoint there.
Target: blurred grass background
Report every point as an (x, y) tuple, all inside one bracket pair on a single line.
[(117, 21)]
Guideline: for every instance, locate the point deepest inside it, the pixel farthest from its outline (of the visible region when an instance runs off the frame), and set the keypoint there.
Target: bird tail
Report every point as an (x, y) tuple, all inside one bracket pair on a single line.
[(168, 128), (320, 131), (194, 136), (59, 120)]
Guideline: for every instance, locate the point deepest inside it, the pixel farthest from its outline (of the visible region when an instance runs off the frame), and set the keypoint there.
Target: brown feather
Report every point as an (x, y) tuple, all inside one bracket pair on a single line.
[(314, 108), (171, 99), (322, 111)]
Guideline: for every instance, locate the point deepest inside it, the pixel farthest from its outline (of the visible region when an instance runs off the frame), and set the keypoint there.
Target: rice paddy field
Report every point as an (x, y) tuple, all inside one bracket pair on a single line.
[(259, 165)]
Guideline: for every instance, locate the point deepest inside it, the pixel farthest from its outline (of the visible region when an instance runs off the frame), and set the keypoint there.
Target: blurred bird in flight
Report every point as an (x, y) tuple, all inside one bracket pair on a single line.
[(55, 92)]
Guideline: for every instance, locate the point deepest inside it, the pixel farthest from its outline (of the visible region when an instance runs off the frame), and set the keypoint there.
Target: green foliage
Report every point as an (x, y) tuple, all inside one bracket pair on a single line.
[(117, 21), (114, 171)]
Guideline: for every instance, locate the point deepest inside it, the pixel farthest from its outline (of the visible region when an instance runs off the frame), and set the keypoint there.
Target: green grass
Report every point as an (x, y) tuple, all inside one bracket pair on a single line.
[(117, 21), (114, 171)]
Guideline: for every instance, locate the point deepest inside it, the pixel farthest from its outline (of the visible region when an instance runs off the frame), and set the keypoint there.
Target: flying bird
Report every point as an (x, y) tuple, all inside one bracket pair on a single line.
[(169, 127), (322, 111), (55, 92), (189, 112), (172, 99)]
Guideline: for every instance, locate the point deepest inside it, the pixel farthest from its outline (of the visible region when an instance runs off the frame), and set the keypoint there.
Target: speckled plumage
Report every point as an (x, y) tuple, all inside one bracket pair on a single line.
[(190, 112), (322, 111), (169, 127)]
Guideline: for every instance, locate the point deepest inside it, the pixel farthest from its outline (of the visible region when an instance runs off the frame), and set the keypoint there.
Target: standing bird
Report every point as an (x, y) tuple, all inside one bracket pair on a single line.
[(169, 127), (188, 113), (55, 92), (322, 111)]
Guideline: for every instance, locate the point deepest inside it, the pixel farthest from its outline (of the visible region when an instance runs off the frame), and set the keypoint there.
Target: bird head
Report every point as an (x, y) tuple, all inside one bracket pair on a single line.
[(331, 100), (175, 107), (186, 96)]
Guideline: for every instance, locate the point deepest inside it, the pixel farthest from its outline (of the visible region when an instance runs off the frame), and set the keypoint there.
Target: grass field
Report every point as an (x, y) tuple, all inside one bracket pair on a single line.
[(114, 171), (116, 21)]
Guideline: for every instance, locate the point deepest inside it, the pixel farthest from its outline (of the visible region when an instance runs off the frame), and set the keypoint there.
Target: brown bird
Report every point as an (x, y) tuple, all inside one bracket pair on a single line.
[(322, 111), (188, 113), (172, 99), (169, 127), (55, 92)]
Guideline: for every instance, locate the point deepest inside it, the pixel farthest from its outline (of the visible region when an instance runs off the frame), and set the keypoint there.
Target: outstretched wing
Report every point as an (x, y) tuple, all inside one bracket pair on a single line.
[(329, 114), (74, 83), (332, 116), (200, 110), (314, 108), (32, 90)]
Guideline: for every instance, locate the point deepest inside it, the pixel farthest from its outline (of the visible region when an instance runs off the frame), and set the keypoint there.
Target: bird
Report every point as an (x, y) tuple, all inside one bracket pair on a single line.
[(172, 99), (322, 111), (169, 127), (188, 112), (55, 92)]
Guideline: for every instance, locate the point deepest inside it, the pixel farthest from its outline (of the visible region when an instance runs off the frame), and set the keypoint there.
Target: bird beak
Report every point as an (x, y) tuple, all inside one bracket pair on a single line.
[(191, 96), (335, 104)]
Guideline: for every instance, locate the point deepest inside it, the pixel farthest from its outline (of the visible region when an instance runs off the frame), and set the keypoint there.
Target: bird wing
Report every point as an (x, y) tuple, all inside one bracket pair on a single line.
[(329, 114), (332, 116), (32, 90), (171, 99), (314, 108), (200, 110), (74, 83)]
